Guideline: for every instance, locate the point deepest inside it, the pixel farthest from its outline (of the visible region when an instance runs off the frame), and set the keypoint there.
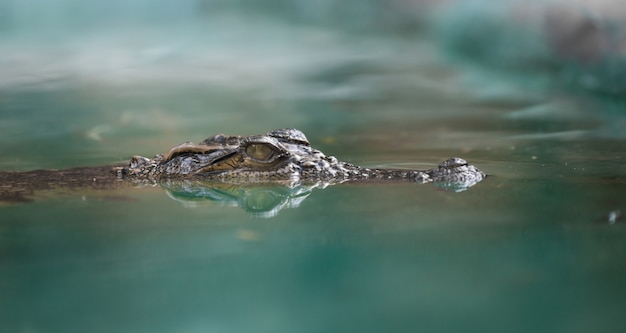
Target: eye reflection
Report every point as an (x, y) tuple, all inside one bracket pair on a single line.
[(260, 201), (258, 151)]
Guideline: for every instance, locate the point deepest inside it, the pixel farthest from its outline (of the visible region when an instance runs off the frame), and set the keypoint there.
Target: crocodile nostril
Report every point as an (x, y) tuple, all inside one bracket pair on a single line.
[(454, 162)]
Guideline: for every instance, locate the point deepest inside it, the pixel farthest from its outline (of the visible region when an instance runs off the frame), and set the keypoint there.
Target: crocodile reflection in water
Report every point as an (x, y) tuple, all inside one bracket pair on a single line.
[(259, 200), (191, 172)]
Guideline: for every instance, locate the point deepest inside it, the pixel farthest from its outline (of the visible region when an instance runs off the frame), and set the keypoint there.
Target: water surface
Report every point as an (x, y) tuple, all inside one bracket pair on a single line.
[(538, 246)]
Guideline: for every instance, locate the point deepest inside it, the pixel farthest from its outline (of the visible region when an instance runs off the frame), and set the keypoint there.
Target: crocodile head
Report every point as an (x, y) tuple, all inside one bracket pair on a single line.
[(280, 155)]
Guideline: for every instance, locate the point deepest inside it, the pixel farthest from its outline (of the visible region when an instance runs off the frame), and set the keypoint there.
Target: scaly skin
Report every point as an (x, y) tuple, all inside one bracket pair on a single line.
[(280, 155)]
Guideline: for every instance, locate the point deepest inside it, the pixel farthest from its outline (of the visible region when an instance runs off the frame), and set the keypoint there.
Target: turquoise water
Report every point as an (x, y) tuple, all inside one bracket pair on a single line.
[(538, 246)]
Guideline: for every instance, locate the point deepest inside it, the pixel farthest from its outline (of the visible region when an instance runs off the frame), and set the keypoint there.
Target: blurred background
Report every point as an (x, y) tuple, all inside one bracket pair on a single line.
[(96, 82)]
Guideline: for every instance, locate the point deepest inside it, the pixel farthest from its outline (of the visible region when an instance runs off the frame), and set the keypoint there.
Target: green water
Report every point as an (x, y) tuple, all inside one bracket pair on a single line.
[(530, 249)]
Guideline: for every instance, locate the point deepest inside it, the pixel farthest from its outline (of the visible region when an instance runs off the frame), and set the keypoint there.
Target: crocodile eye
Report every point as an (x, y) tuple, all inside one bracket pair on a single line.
[(260, 151)]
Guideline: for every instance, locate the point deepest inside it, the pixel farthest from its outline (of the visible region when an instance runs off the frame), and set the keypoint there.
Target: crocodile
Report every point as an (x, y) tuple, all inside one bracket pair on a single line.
[(282, 156)]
